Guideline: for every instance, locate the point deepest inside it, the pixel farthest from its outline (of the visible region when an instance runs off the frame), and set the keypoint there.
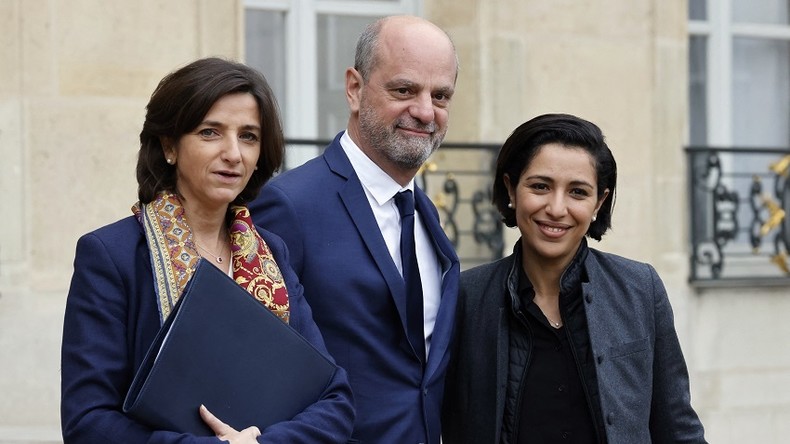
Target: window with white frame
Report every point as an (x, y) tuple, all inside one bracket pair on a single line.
[(739, 130), (303, 47), (739, 59)]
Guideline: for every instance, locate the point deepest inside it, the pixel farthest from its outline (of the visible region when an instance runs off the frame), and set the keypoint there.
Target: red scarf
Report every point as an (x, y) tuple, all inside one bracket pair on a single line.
[(174, 256)]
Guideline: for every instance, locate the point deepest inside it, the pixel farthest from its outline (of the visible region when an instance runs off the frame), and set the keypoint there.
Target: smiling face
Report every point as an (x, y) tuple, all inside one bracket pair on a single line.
[(399, 115), (555, 200), (215, 160)]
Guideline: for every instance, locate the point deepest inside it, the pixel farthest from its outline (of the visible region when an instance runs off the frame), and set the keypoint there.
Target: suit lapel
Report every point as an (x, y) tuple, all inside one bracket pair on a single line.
[(443, 328), (356, 202)]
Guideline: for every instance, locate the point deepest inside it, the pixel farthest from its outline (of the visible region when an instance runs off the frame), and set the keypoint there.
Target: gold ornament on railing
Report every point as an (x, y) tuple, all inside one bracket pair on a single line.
[(780, 259), (429, 166), (775, 215), (440, 198), (782, 166)]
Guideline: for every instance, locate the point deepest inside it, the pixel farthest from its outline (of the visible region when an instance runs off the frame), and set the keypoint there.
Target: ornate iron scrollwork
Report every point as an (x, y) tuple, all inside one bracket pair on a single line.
[(476, 233), (487, 227), (469, 219), (724, 216), (447, 203), (778, 213), (717, 252)]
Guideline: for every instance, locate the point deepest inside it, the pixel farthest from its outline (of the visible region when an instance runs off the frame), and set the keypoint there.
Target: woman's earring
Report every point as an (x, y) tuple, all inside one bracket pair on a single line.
[(593, 218), (510, 205), (169, 161)]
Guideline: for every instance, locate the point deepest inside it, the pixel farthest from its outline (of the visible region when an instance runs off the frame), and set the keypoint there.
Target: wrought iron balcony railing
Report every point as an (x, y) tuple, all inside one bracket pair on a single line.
[(458, 180), (740, 226)]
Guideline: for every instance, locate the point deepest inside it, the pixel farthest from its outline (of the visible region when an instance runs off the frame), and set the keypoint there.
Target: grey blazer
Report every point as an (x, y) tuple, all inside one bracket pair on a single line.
[(642, 375)]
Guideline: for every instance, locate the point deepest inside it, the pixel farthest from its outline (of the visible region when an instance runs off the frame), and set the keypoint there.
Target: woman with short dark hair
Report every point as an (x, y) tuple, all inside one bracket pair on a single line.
[(211, 139), (560, 342)]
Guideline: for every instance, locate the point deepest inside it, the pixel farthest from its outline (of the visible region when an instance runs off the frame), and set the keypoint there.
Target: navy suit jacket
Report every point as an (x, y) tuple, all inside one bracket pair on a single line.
[(112, 318), (358, 296)]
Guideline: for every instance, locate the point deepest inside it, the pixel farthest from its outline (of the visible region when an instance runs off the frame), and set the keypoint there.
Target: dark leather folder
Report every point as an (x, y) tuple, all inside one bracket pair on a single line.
[(222, 348)]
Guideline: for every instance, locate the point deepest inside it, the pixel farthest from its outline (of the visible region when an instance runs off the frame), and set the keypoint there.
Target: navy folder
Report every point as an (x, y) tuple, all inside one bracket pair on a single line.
[(222, 348)]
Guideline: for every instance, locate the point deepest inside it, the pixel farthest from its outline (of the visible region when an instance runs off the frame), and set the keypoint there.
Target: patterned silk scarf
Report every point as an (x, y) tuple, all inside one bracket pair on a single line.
[(174, 256)]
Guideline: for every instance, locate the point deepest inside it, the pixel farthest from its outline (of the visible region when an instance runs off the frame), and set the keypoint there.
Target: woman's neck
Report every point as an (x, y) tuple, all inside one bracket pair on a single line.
[(209, 231), (544, 275), (207, 222)]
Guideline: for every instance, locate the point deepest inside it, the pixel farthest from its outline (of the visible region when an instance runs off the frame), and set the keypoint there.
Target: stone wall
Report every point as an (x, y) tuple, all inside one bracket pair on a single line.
[(623, 64), (76, 75)]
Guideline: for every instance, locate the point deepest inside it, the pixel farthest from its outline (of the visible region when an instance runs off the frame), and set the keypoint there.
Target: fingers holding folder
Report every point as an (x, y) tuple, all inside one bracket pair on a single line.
[(228, 433)]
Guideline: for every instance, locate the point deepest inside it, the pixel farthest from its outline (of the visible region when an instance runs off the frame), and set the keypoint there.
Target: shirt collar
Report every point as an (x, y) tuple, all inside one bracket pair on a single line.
[(378, 183)]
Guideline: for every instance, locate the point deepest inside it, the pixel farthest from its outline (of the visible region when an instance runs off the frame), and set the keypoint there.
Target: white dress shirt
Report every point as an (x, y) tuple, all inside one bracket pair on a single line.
[(381, 189)]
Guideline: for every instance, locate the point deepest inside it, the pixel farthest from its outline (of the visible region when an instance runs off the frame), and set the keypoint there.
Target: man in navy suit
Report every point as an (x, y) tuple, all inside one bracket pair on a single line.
[(338, 216)]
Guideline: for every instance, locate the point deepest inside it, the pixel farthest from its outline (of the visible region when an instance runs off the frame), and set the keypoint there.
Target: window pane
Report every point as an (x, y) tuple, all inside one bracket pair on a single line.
[(265, 48), (337, 39), (698, 84), (698, 10), (761, 92), (760, 11)]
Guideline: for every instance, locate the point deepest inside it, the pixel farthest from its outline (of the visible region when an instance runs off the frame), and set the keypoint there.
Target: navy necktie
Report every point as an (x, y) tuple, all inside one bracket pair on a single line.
[(411, 274)]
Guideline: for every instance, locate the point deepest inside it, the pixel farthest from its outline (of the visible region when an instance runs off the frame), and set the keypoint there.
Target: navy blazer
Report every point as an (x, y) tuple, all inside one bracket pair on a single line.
[(642, 378), (112, 318), (358, 296)]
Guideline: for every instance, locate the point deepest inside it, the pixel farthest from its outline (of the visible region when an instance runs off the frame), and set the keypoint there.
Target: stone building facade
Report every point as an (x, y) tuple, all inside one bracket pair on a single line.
[(76, 75)]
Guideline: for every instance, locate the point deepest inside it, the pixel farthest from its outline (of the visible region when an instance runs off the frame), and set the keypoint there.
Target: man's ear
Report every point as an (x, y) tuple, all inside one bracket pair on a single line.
[(354, 84)]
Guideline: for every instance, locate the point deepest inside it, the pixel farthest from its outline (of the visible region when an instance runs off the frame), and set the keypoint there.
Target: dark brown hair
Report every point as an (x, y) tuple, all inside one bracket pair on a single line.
[(524, 144), (179, 104)]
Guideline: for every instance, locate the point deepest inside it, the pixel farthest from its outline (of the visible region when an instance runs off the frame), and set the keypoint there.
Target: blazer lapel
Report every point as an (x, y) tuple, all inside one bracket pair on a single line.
[(443, 328), (356, 202)]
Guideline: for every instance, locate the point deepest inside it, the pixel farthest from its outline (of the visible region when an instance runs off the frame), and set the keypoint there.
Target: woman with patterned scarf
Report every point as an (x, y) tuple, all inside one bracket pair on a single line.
[(211, 139)]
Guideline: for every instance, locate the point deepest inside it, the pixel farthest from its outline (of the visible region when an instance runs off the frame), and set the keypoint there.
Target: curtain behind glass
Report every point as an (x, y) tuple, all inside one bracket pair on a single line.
[(264, 37), (774, 12), (761, 92), (698, 87), (698, 10), (337, 39)]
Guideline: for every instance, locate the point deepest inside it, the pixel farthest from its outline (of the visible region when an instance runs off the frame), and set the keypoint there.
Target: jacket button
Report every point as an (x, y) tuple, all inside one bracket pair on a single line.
[(610, 418), (588, 298)]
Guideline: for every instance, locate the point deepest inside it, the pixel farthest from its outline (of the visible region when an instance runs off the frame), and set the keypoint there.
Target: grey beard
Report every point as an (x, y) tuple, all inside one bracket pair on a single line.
[(410, 153), (406, 152)]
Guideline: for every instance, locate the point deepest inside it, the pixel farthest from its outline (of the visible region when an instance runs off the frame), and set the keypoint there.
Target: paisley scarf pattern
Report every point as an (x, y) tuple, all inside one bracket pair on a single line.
[(174, 256)]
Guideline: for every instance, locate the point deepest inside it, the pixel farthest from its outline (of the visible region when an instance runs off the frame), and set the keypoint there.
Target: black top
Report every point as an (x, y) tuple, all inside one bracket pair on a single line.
[(553, 404)]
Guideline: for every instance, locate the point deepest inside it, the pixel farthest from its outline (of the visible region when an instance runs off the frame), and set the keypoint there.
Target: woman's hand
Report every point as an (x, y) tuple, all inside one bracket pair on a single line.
[(228, 433)]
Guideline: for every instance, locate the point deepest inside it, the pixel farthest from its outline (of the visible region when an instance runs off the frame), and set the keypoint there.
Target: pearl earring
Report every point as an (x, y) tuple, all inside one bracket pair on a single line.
[(170, 161), (510, 204), (593, 218)]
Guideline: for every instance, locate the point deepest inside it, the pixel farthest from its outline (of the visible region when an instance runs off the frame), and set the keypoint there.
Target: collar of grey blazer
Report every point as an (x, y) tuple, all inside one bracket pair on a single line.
[(571, 279)]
